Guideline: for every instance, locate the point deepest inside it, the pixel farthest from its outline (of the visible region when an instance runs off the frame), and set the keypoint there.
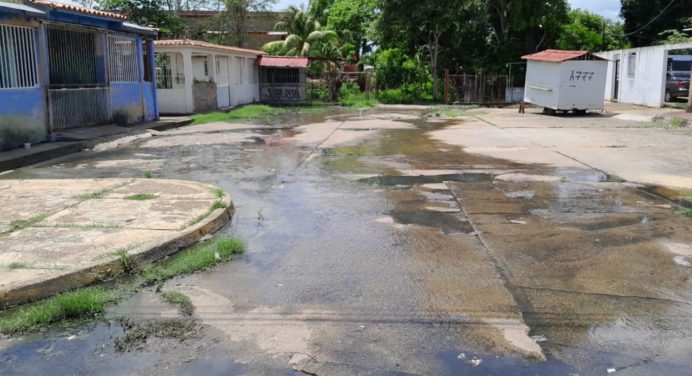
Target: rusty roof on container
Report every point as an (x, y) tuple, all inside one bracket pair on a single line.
[(558, 56), (283, 62), (78, 9), (200, 44)]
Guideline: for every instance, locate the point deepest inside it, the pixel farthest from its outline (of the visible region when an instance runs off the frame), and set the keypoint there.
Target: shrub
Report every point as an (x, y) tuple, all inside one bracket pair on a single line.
[(350, 95)]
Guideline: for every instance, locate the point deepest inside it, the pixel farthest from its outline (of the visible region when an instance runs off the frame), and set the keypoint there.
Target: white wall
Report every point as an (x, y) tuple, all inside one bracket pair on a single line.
[(542, 84), (237, 91), (646, 84), (582, 83)]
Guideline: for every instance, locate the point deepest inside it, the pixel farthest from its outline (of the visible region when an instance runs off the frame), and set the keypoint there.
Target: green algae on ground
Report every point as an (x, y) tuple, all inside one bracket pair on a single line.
[(249, 112)]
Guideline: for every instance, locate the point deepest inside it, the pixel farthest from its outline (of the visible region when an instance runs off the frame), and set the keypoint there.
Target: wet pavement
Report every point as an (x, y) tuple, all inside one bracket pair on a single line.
[(375, 247)]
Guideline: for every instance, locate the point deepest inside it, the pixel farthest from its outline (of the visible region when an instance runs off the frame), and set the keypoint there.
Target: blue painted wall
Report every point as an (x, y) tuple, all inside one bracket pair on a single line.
[(127, 97)]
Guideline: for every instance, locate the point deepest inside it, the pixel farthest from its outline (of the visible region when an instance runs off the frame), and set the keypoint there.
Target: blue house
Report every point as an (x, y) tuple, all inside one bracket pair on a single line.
[(64, 66)]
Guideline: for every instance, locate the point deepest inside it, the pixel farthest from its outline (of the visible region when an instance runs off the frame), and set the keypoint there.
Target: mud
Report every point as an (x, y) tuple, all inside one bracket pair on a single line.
[(378, 245)]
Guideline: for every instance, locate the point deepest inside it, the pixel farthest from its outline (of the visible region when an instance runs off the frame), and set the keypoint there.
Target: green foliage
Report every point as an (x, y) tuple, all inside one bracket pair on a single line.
[(352, 96), (148, 175), (127, 262), (645, 20), (305, 37), (96, 195), (24, 223), (70, 305), (249, 112), (586, 31), (672, 37), (400, 96), (685, 212), (148, 12), (400, 78), (193, 260), (351, 20)]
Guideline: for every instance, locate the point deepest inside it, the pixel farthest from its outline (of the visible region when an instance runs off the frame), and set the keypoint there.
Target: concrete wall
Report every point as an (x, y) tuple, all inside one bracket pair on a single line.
[(645, 85), (230, 90)]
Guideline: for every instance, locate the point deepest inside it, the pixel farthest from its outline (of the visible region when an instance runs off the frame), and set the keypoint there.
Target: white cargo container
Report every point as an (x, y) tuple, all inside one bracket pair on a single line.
[(565, 80)]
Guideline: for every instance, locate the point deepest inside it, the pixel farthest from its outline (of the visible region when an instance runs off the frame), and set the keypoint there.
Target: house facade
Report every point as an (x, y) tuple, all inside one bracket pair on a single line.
[(282, 79), (195, 76), (64, 66), (638, 75)]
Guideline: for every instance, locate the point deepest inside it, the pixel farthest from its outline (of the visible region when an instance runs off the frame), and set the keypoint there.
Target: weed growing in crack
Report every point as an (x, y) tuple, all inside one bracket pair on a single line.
[(685, 212), (24, 223), (181, 300), (260, 215), (96, 195), (17, 265), (148, 175), (127, 262), (218, 204), (218, 192), (142, 197)]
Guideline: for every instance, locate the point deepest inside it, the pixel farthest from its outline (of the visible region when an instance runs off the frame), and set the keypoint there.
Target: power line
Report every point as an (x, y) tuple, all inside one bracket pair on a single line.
[(652, 20)]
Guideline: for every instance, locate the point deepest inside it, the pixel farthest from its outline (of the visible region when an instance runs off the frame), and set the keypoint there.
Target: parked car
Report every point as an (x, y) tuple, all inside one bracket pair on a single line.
[(677, 85)]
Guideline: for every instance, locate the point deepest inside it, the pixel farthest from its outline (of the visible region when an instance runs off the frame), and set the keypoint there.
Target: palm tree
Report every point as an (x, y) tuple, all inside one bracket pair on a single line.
[(305, 36)]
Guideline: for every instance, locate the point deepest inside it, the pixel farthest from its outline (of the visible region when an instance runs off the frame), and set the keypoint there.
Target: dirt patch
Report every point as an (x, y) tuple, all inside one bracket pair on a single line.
[(137, 334)]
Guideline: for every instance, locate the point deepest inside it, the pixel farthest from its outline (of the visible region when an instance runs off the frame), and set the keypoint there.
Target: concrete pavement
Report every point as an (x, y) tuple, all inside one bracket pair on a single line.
[(57, 234)]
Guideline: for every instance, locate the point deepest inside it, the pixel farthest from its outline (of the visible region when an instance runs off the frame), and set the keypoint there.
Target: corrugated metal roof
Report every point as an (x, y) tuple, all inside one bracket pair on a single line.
[(200, 44), (557, 56), (78, 9), (283, 62)]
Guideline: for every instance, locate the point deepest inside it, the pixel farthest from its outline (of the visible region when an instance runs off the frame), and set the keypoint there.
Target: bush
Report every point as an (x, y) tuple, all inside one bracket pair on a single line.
[(402, 79), (352, 96)]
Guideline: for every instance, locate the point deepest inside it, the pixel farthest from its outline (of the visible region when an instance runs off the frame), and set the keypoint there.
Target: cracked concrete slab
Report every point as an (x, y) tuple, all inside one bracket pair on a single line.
[(59, 234)]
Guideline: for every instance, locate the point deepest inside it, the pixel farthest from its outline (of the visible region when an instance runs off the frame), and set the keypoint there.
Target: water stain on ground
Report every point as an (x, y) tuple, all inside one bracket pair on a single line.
[(415, 270)]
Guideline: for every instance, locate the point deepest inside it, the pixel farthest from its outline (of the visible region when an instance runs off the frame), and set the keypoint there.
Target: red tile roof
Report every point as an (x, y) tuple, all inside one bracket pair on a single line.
[(283, 62), (557, 56), (198, 43), (78, 9)]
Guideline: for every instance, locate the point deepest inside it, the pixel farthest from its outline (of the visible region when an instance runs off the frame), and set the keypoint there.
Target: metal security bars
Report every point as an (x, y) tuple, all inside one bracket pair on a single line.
[(122, 62), (73, 108), (17, 57), (71, 57)]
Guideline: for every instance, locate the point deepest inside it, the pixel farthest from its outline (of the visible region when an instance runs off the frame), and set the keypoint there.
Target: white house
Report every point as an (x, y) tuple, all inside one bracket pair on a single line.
[(638, 75), (194, 76)]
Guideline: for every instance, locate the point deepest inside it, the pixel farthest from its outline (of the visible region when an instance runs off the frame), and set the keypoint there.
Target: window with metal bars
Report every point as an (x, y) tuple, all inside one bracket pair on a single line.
[(17, 57), (122, 60)]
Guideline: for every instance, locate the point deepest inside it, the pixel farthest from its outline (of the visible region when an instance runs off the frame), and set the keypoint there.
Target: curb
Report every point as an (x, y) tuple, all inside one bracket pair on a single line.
[(106, 270), (32, 157)]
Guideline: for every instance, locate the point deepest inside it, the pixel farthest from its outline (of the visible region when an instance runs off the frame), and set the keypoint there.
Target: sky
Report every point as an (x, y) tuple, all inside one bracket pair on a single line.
[(606, 8)]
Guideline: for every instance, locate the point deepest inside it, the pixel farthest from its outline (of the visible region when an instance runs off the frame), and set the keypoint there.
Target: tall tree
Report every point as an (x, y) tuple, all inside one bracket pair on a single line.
[(351, 19), (233, 19), (645, 20), (148, 12), (417, 26), (591, 32), (525, 26), (305, 36)]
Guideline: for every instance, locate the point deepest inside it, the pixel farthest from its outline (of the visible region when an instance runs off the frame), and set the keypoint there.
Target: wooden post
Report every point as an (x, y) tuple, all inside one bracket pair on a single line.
[(446, 99)]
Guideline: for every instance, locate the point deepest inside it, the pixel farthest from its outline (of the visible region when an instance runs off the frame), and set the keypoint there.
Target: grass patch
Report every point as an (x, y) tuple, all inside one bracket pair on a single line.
[(685, 212), (142, 197), (126, 261), (249, 112), (24, 223), (193, 260), (148, 175), (76, 225), (218, 204), (76, 304), (677, 123), (218, 192), (92, 195), (17, 265), (181, 300)]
